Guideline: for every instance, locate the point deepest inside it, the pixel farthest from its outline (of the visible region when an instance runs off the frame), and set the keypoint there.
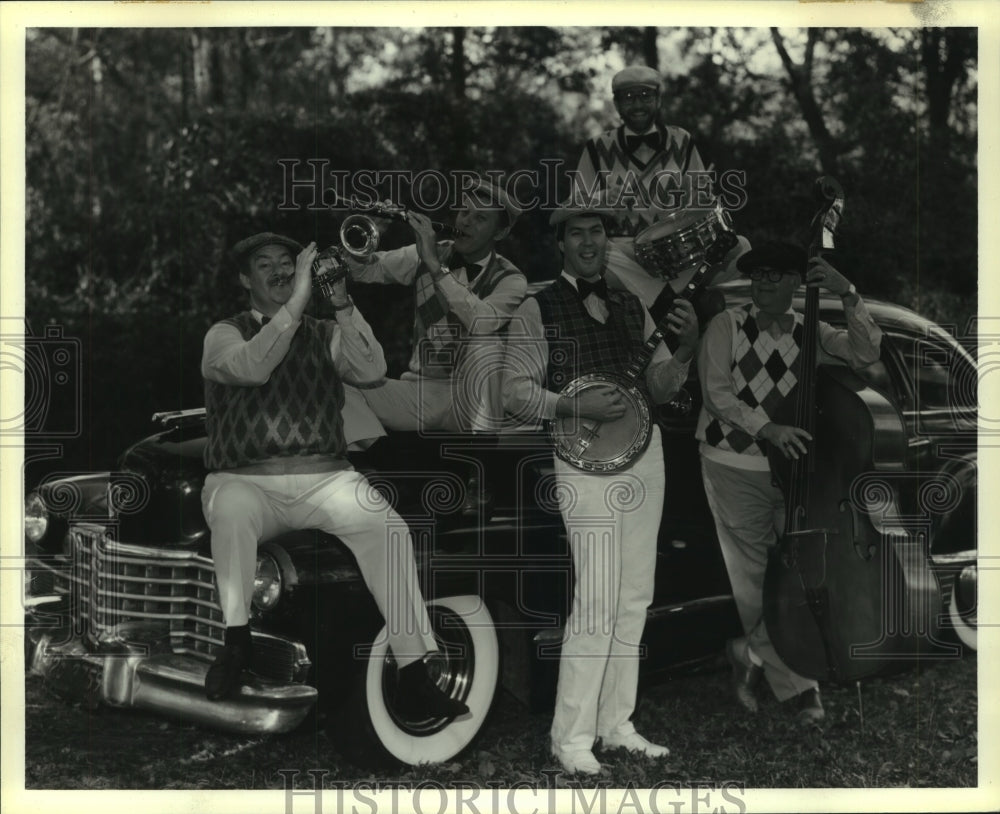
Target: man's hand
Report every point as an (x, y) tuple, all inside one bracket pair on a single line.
[(603, 403), (426, 240), (302, 286), (790, 441), (820, 273), (683, 321), (338, 294)]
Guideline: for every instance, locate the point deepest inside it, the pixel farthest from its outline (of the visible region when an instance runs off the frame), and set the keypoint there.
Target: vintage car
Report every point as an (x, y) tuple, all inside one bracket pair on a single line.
[(121, 600)]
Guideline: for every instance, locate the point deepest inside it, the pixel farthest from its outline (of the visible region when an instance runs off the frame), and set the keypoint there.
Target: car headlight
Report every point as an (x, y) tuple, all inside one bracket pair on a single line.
[(36, 517), (266, 583)]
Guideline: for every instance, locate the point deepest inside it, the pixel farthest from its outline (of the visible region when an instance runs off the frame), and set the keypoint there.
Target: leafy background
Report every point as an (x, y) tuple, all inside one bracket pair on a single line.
[(150, 151)]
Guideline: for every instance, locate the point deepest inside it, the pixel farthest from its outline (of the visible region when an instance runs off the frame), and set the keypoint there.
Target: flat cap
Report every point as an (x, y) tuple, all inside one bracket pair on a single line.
[(495, 197), (636, 75), (249, 245), (775, 254)]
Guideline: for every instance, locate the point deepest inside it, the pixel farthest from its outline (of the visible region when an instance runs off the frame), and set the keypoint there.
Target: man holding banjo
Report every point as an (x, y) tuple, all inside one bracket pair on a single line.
[(611, 519)]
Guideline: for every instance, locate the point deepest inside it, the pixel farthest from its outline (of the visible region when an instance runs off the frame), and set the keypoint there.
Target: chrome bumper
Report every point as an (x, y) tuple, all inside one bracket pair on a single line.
[(134, 675)]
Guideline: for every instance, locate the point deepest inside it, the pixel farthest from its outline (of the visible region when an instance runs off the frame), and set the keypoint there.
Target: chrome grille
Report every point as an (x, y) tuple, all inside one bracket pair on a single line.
[(111, 583), (117, 582)]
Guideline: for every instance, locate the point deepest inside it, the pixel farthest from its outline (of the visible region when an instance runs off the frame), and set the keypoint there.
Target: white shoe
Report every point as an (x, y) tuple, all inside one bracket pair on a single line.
[(635, 742), (577, 761)]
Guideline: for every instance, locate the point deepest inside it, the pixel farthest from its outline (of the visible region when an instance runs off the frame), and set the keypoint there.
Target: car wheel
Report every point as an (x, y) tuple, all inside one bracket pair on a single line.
[(373, 733), (962, 607)]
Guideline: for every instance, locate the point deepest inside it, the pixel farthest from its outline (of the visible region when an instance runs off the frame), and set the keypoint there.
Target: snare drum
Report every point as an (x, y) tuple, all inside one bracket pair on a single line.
[(677, 242)]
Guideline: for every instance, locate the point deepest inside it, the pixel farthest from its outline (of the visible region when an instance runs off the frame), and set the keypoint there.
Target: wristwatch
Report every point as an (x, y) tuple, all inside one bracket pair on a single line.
[(443, 271), (851, 292)]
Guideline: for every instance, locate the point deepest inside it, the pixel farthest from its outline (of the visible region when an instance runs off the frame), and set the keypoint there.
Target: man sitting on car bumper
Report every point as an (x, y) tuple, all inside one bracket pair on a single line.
[(274, 399)]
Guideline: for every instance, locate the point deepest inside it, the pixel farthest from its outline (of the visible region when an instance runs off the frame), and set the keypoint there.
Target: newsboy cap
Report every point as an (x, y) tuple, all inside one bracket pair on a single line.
[(776, 254), (249, 245), (636, 75)]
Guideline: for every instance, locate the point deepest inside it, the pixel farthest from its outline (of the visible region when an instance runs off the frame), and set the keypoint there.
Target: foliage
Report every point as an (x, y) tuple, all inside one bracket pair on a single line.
[(150, 151)]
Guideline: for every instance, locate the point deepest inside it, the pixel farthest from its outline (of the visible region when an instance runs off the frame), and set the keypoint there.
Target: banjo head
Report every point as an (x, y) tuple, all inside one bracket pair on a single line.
[(608, 446)]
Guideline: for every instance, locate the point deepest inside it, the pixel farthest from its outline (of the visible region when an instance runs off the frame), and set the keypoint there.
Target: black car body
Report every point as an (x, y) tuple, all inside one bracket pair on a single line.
[(121, 596)]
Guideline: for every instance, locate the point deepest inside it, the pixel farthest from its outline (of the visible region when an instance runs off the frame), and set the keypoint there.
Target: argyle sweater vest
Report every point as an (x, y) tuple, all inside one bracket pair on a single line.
[(639, 191), (764, 371), (297, 411), (437, 355), (580, 344)]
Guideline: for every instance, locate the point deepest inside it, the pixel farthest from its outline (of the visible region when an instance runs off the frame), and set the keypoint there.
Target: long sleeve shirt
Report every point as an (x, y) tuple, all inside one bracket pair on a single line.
[(229, 359), (858, 346), (478, 315), (525, 395)]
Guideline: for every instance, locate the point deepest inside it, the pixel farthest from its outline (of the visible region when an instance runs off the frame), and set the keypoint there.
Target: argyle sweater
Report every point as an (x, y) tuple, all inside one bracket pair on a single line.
[(438, 356), (764, 371), (638, 187), (297, 411), (583, 345)]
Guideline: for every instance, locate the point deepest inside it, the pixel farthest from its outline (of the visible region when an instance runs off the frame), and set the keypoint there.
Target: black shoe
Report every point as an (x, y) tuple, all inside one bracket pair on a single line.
[(746, 675), (222, 680), (810, 708), (478, 498), (417, 697)]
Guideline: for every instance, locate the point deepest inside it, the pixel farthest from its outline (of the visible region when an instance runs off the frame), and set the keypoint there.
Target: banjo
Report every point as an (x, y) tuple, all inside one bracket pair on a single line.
[(610, 446)]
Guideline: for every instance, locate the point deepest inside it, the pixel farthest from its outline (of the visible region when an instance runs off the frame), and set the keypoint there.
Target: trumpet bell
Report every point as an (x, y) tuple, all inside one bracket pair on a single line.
[(359, 236)]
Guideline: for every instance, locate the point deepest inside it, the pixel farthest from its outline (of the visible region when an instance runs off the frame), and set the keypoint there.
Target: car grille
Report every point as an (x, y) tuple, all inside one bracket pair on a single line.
[(109, 584)]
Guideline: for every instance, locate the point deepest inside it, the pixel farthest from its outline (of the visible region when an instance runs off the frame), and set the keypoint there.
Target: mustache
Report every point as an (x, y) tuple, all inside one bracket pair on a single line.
[(280, 279)]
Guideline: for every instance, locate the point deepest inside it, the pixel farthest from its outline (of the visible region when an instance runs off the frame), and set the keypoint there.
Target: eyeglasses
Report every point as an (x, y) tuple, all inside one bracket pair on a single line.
[(642, 94), (772, 275)]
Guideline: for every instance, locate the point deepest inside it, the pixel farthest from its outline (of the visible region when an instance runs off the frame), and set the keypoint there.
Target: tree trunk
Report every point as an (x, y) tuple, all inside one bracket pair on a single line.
[(800, 79), (650, 51), (943, 52), (459, 128), (186, 56)]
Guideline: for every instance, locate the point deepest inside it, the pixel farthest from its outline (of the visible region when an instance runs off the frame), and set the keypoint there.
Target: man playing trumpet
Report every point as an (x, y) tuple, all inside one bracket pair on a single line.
[(276, 455), (465, 294)]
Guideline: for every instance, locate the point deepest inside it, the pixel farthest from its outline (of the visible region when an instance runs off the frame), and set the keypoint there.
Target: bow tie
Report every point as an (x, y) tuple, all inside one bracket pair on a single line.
[(598, 287), (785, 322), (264, 321), (471, 269), (633, 143)]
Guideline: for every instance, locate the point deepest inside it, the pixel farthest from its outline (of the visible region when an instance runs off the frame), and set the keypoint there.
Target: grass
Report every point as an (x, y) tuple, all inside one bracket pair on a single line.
[(917, 729)]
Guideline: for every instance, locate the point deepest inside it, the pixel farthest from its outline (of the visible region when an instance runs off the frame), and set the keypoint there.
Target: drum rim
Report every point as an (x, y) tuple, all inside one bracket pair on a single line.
[(674, 218)]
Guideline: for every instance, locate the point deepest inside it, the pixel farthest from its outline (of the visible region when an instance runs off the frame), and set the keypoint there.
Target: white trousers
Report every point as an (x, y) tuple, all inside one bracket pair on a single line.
[(612, 523), (749, 512), (242, 510), (418, 403)]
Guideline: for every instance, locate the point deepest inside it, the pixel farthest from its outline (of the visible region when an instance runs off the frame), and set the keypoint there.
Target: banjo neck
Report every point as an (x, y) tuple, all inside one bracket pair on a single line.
[(698, 280)]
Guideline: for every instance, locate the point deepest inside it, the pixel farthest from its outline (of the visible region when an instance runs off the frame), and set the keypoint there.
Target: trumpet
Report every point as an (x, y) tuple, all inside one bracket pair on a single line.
[(385, 209), (359, 238)]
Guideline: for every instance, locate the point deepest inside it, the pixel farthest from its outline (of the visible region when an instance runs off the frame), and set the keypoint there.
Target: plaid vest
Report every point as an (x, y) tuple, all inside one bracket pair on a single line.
[(764, 371), (634, 186), (297, 411), (579, 344), (436, 331)]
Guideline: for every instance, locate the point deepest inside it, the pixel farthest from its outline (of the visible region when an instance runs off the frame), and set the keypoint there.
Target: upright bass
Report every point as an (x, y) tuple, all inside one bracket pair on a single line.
[(843, 600)]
